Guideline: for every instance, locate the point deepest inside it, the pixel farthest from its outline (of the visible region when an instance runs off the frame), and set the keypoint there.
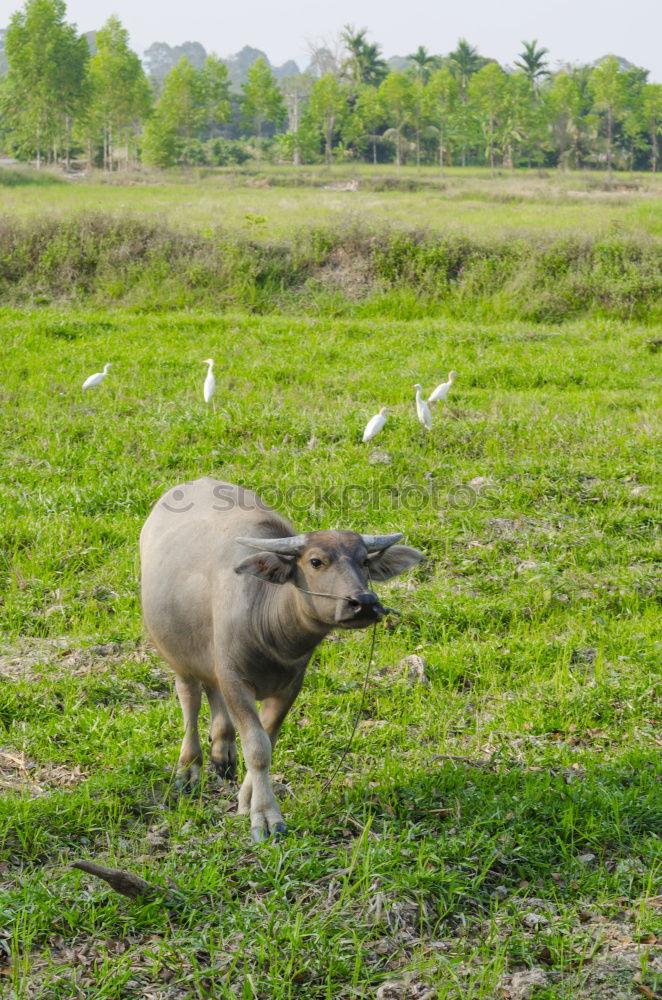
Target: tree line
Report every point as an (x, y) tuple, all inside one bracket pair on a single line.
[(59, 101)]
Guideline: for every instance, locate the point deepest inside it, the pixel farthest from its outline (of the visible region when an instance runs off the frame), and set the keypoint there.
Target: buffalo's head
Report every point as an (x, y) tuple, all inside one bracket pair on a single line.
[(333, 569)]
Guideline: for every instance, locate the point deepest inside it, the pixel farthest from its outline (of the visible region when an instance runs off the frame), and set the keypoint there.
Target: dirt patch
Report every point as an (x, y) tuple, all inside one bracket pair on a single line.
[(18, 773), (508, 527), (61, 655), (349, 272)]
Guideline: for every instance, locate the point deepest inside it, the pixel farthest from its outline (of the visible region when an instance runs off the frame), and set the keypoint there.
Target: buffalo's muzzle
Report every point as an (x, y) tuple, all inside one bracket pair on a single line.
[(362, 608)]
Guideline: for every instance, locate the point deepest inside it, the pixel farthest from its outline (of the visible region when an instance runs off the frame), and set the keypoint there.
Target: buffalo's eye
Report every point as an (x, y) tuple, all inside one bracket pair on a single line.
[(316, 563)]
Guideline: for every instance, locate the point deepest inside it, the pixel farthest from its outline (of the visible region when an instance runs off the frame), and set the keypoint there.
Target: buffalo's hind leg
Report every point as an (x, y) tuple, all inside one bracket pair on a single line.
[(189, 692), (221, 735)]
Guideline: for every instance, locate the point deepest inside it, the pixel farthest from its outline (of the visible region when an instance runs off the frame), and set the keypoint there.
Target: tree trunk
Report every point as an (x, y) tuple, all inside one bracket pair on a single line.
[(441, 152), (329, 144), (654, 146), (609, 124)]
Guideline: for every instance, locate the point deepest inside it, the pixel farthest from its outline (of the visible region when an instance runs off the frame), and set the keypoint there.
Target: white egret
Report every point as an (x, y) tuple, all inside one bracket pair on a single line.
[(97, 378), (210, 381), (375, 424), (422, 409), (442, 389)]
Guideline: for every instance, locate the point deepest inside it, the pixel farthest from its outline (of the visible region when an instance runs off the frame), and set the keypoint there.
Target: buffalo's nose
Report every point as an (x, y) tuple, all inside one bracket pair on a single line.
[(366, 603)]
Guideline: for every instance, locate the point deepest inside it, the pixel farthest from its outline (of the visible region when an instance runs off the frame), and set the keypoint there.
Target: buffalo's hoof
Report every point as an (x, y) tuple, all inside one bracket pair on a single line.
[(260, 834), (187, 781), (225, 769)]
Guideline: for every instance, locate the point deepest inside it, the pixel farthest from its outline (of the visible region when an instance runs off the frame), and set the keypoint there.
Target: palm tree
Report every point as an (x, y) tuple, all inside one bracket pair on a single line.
[(364, 64), (532, 62), (423, 62), (463, 63), (375, 68)]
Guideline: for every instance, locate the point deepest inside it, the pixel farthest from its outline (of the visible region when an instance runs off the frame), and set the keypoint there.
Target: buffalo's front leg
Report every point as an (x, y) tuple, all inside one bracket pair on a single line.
[(272, 714), (266, 817)]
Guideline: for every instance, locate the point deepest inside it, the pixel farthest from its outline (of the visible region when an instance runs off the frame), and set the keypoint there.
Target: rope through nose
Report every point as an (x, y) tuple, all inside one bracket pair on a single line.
[(329, 781)]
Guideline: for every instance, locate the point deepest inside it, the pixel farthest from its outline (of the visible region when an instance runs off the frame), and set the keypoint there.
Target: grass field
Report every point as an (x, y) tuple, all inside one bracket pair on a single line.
[(494, 832), (274, 202)]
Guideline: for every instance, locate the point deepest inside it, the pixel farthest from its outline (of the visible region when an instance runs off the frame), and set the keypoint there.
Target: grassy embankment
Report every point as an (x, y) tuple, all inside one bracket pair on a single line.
[(502, 818)]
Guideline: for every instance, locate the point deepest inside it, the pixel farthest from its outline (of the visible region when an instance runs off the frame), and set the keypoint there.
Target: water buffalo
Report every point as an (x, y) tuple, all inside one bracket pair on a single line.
[(237, 602)]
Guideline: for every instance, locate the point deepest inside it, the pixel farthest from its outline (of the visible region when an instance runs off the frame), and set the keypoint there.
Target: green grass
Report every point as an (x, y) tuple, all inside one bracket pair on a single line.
[(504, 817), (274, 202)]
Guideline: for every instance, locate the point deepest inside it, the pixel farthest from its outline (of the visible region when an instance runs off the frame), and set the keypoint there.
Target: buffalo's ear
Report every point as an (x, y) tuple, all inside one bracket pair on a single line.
[(394, 560), (268, 566)]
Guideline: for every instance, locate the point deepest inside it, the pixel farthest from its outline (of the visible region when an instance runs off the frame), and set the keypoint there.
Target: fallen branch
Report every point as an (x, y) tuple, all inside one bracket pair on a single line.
[(130, 885)]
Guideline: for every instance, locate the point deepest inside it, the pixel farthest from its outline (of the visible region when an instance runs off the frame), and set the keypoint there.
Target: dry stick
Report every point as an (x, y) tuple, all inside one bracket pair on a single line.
[(129, 885)]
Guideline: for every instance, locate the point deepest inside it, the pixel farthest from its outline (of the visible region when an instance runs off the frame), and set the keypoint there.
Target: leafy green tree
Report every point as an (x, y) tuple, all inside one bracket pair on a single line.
[(366, 118), (419, 110), (632, 125), (487, 94), (44, 91), (443, 98), (566, 104), (610, 97), (532, 62), (120, 96), (571, 101), (517, 117), (396, 97), (327, 108), (463, 62), (652, 115), (215, 91), (178, 117), (296, 92), (262, 100)]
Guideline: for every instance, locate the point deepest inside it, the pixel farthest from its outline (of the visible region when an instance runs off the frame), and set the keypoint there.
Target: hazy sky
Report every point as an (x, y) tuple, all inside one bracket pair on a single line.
[(572, 30)]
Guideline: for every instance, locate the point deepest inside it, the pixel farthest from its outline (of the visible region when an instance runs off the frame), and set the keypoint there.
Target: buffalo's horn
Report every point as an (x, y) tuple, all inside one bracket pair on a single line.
[(290, 546), (376, 543)]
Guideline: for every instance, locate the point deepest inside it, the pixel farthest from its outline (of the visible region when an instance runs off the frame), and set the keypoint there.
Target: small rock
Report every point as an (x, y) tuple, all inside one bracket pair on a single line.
[(104, 594), (380, 458), (522, 984), (415, 666), (505, 527), (403, 914), (584, 656), (526, 564), (534, 921), (500, 893), (586, 859), (479, 483), (405, 989)]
